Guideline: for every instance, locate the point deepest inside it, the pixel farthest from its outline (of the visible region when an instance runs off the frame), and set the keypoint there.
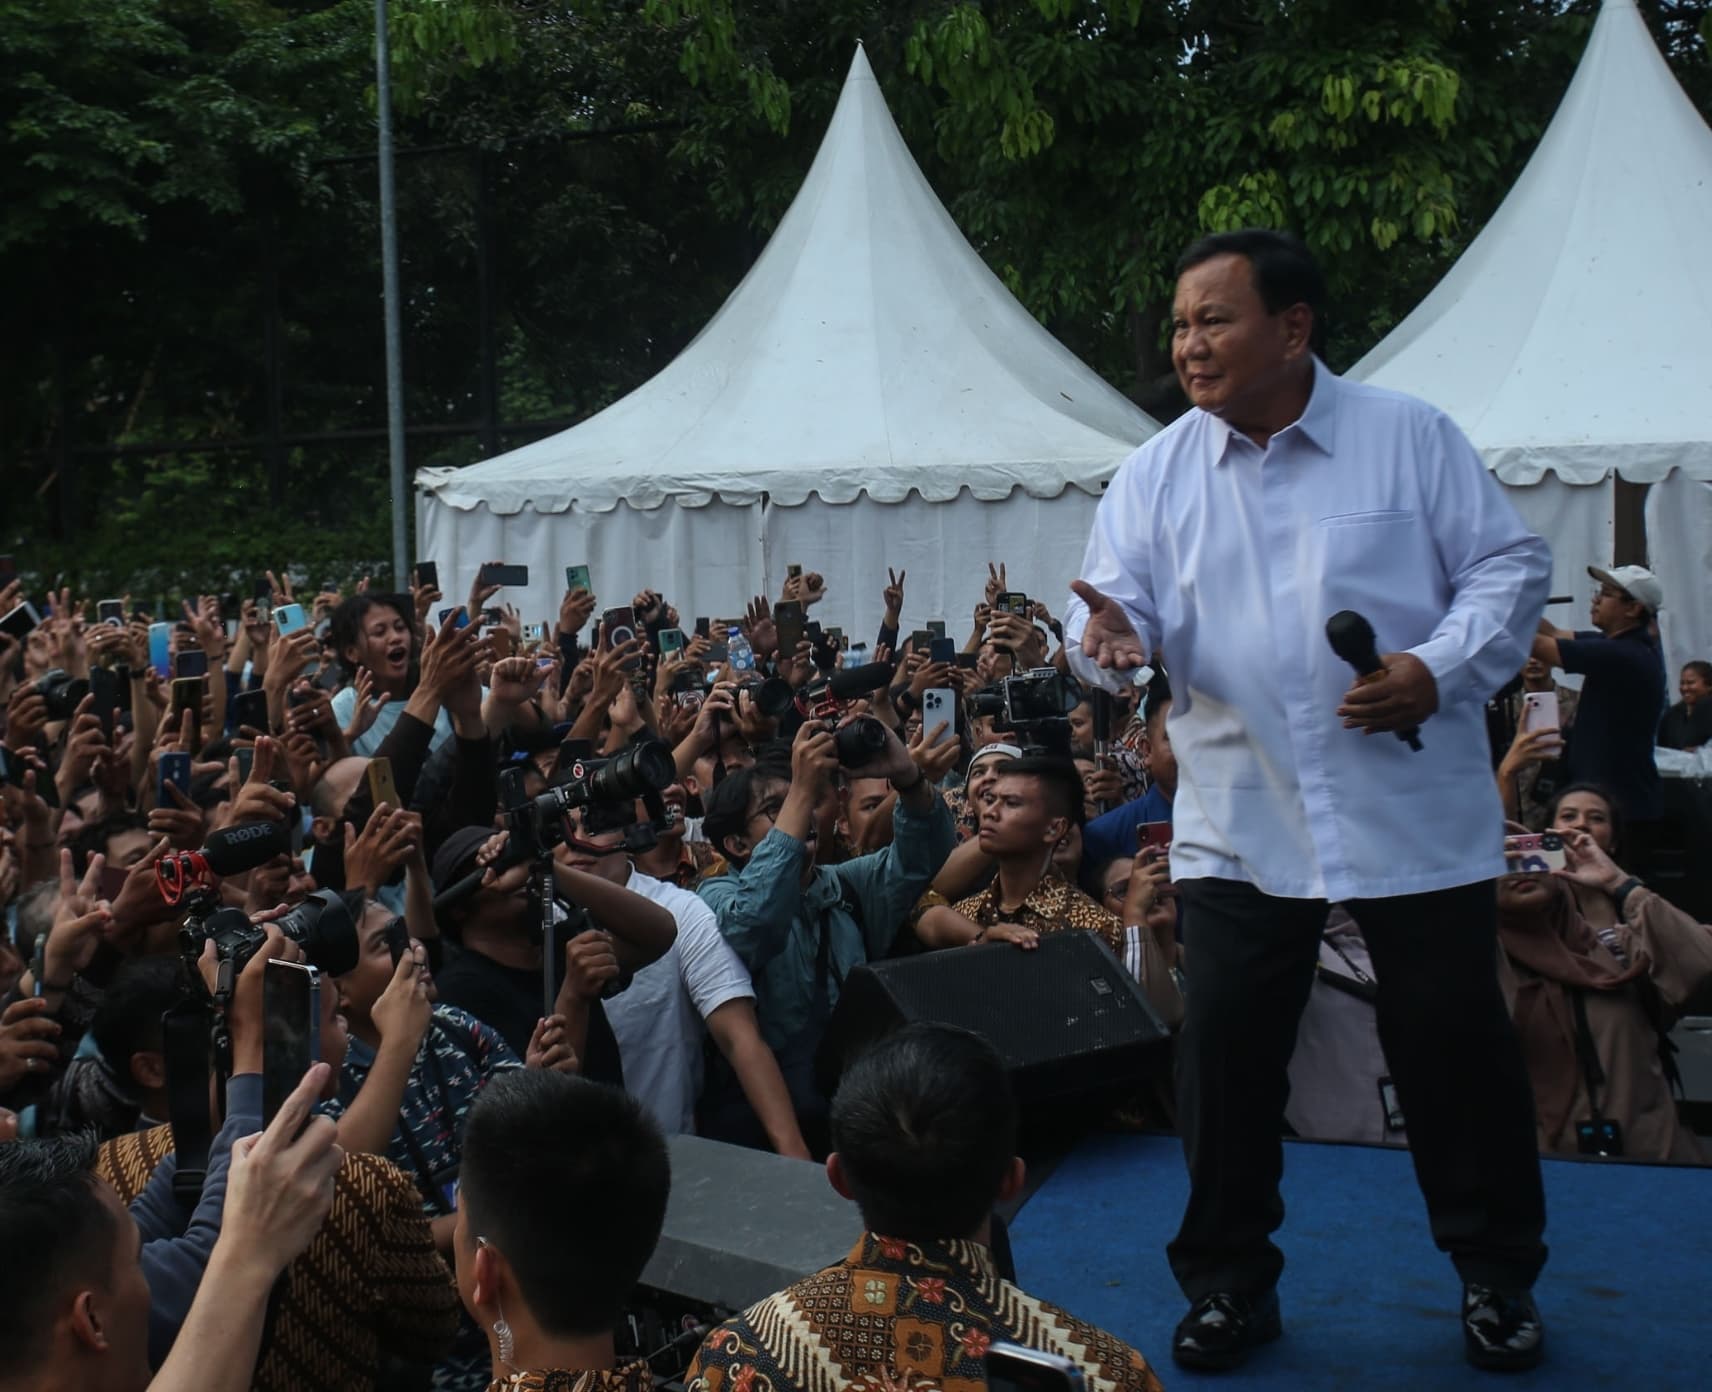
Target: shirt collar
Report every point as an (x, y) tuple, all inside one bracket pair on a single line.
[(874, 1252), (1045, 900), (1317, 424)]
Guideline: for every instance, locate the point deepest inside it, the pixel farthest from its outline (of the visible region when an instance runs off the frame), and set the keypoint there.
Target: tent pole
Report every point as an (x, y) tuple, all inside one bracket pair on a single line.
[(389, 302)]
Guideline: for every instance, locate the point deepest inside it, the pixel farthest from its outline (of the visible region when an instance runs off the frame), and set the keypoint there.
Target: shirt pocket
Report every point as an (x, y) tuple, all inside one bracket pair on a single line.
[(1392, 516)]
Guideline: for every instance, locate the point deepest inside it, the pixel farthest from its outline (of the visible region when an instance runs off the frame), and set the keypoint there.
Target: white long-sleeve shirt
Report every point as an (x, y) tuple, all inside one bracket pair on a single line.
[(1230, 558)]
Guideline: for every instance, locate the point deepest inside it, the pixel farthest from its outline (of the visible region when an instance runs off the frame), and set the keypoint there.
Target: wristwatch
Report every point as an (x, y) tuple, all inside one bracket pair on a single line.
[(1620, 895)]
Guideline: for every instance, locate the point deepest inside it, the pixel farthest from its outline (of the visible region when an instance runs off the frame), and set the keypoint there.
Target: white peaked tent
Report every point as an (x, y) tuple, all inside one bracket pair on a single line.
[(870, 395), (1573, 339)]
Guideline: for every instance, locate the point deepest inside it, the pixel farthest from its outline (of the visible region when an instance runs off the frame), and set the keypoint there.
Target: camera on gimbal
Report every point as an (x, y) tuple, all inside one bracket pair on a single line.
[(606, 790), (1034, 704)]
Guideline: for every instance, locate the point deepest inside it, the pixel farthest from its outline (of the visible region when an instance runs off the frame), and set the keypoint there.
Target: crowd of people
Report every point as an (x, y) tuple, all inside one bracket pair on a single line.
[(576, 885), (703, 949)]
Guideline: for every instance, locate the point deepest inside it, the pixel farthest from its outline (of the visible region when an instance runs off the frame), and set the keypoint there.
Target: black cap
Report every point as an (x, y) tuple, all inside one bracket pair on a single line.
[(457, 855)]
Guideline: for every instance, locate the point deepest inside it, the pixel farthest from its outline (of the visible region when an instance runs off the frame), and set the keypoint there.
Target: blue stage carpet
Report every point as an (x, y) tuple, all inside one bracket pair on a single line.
[(1368, 1301)]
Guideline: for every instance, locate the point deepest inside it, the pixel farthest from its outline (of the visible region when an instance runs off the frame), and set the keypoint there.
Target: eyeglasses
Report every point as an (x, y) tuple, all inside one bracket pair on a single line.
[(1120, 890)]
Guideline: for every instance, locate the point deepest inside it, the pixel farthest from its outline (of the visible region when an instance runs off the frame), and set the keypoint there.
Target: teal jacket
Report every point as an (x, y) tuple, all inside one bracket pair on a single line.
[(774, 924)]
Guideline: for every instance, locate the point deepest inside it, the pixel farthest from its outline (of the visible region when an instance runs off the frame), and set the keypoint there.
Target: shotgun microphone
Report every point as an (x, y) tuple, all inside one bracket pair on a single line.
[(1351, 637)]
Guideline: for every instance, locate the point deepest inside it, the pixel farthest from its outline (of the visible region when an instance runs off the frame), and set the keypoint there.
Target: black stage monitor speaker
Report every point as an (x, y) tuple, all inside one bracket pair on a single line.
[(1066, 1018)]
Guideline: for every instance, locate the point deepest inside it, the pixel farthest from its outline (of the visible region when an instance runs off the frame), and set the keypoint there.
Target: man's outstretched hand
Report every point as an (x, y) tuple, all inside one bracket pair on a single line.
[(1109, 639)]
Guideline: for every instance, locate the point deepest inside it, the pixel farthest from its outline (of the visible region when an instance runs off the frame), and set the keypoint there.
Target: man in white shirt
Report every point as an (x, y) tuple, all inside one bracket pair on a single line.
[(1286, 495), (698, 988)]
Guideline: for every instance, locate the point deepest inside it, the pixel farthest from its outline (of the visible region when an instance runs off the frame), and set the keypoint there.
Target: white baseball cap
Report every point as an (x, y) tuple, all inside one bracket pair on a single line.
[(1639, 583)]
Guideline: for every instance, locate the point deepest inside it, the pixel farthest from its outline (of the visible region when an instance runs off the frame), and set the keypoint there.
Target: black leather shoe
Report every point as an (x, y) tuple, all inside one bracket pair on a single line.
[(1222, 1329), (1501, 1330)]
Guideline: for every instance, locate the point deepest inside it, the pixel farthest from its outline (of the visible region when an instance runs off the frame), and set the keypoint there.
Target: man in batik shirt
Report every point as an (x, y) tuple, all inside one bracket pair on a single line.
[(918, 1301)]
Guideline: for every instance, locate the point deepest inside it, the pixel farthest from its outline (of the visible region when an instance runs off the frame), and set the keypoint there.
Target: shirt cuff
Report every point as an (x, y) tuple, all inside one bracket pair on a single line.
[(1453, 675)]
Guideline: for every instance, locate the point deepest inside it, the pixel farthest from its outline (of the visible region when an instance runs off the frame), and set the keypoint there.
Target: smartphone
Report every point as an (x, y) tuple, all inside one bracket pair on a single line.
[(111, 611), (789, 617), (835, 636), (939, 706), (703, 628), (1012, 602), (577, 578), (942, 649), (1153, 834), (174, 770), (246, 755), (936, 627), (534, 633), (620, 625), (381, 787), (1012, 1368), (397, 939), (793, 569), (427, 575), (187, 694), (968, 661), (290, 618), (503, 575), (671, 642), (920, 641), (250, 708), (291, 1030), (718, 652), (22, 621), (262, 592), (106, 686), (1539, 712), (190, 662), (112, 882), (1538, 854)]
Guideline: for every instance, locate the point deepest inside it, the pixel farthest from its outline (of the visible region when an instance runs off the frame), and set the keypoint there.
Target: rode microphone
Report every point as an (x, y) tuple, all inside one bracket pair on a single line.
[(1351, 637), (229, 852)]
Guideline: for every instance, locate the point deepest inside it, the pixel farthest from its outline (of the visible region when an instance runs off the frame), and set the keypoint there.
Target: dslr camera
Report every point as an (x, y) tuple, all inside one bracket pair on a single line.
[(1034, 704), (61, 692), (323, 925)]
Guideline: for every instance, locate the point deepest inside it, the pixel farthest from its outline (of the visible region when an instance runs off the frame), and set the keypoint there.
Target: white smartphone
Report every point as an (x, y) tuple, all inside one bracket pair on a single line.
[(939, 706), (1539, 712)]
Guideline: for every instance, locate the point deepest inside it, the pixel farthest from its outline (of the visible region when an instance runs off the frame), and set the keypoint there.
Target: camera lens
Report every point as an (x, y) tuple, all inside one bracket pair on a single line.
[(61, 692), (775, 697), (324, 927), (626, 776), (859, 741)]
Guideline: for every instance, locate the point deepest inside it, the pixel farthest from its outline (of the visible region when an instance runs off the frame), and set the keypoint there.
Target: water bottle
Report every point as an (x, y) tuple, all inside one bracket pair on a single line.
[(741, 654)]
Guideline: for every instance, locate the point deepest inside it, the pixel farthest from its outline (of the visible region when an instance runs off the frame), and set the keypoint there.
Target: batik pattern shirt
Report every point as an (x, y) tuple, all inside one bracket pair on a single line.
[(629, 1377), (458, 1057), (1054, 906), (899, 1315)]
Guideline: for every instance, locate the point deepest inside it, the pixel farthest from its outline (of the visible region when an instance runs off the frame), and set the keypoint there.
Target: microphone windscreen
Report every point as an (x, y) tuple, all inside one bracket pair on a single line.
[(854, 682), (244, 847), (1351, 637)]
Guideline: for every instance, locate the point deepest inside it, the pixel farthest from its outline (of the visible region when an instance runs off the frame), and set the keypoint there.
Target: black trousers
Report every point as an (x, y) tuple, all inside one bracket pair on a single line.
[(1452, 1051)]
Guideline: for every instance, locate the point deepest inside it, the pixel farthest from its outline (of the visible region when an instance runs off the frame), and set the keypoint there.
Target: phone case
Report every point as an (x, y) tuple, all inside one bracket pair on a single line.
[(577, 578), (939, 705)]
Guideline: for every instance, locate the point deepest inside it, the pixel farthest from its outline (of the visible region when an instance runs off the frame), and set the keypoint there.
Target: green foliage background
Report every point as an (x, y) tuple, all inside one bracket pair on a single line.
[(157, 155)]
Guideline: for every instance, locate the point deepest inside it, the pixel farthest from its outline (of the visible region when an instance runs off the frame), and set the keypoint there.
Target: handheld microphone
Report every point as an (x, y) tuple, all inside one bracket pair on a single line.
[(1351, 637)]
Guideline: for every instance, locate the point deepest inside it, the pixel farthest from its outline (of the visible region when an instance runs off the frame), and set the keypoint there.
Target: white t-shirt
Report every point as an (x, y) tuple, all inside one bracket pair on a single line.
[(659, 1020)]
